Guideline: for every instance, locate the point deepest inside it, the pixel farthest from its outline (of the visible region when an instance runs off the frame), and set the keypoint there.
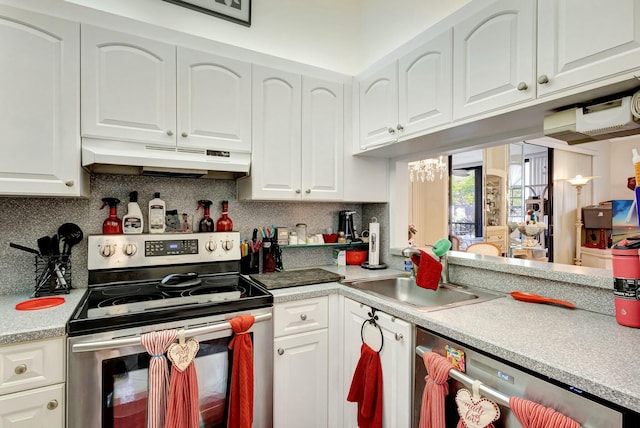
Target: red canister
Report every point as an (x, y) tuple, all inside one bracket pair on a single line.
[(625, 259)]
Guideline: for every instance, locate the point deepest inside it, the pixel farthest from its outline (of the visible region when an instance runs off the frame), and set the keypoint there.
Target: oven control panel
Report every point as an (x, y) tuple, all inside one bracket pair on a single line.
[(125, 251)]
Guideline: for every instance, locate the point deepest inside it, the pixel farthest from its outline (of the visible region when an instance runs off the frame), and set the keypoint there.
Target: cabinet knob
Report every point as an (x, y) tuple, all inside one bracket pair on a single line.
[(399, 127), (69, 183), (53, 404), (522, 86), (391, 130), (543, 79), (399, 336), (280, 351), (169, 133), (307, 191), (303, 317), (184, 135), (298, 191), (22, 368)]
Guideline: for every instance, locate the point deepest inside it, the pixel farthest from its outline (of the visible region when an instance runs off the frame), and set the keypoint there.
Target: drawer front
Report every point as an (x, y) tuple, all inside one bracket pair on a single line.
[(31, 365), (300, 316), (41, 407)]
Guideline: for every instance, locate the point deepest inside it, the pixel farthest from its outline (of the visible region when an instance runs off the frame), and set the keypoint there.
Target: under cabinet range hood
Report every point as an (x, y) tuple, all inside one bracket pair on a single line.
[(120, 157), (603, 121)]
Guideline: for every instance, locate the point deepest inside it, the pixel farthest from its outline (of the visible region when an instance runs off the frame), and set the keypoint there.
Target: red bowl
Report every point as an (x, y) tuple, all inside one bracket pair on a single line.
[(330, 238), (356, 257)]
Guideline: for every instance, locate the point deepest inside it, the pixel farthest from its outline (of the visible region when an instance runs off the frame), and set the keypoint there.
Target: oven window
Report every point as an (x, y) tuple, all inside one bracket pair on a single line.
[(125, 380)]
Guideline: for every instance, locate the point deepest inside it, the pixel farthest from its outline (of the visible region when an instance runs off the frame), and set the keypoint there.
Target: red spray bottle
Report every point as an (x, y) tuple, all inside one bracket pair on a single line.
[(206, 223), (224, 223), (112, 225)]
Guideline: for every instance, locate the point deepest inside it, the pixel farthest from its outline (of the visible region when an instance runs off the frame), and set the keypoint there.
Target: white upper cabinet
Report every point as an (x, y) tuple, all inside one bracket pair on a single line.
[(39, 108), (379, 107), (425, 86), (128, 87), (298, 138), (140, 90), (580, 42), (493, 58), (214, 101)]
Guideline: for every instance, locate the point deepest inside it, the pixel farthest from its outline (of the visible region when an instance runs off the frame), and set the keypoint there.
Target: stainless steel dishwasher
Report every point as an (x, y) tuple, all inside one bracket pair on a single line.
[(502, 380)]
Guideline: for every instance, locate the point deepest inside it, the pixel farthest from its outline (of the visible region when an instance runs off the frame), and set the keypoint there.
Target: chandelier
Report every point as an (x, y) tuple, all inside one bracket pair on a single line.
[(426, 169)]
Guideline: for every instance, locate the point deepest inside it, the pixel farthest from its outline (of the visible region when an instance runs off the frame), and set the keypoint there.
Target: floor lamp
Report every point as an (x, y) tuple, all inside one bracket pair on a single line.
[(578, 182)]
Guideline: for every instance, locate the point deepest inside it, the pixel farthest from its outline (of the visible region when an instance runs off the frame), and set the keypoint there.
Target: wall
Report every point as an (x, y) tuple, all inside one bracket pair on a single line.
[(23, 220)]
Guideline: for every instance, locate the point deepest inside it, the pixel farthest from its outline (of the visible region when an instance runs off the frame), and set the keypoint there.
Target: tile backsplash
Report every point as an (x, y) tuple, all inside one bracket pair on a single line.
[(24, 220)]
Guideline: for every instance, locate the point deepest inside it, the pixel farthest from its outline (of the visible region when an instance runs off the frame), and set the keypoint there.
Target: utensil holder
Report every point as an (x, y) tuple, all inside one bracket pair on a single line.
[(53, 275)]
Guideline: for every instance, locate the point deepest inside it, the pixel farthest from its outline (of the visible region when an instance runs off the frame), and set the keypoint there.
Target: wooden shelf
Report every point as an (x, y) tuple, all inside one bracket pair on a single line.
[(350, 245)]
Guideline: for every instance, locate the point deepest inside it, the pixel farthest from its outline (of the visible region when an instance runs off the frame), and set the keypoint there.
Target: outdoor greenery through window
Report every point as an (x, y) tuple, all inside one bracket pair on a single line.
[(466, 203)]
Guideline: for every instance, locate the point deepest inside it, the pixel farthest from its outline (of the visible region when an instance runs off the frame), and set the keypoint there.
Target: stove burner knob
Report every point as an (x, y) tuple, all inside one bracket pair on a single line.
[(107, 250), (130, 249), (210, 246), (227, 245)]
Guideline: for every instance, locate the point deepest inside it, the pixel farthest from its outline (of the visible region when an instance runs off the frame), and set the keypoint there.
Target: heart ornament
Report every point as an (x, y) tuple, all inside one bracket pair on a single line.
[(182, 354), (475, 411)]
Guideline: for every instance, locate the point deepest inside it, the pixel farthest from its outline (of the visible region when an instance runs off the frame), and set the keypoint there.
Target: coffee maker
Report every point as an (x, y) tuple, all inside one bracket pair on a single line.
[(345, 224)]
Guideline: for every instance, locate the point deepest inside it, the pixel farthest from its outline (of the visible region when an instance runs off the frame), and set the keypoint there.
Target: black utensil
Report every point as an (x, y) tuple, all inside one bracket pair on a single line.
[(71, 234), (44, 245), (23, 248)]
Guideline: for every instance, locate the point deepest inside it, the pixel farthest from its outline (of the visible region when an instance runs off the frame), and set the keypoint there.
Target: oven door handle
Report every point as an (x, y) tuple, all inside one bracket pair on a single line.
[(491, 393), (133, 341)]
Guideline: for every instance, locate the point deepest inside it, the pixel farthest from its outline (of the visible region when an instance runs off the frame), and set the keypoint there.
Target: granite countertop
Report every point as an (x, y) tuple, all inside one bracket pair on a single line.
[(22, 326), (580, 348)]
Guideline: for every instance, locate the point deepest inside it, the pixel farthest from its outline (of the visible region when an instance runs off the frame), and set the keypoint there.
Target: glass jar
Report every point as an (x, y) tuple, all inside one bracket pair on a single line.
[(342, 239), (301, 230)]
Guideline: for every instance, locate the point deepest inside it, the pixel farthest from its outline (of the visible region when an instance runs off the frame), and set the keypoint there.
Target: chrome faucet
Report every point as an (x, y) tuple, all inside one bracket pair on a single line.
[(444, 277), (408, 252)]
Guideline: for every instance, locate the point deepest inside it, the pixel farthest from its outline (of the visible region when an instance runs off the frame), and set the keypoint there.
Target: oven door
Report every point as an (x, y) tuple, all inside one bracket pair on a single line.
[(107, 387)]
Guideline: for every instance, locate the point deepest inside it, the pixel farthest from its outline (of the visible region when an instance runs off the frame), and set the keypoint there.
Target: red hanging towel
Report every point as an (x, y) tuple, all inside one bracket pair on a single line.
[(435, 389), (241, 390), (183, 406), (429, 270), (366, 388), (534, 415), (156, 344)]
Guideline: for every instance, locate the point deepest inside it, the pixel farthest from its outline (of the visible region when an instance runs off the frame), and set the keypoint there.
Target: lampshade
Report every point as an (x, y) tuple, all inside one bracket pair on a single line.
[(579, 180)]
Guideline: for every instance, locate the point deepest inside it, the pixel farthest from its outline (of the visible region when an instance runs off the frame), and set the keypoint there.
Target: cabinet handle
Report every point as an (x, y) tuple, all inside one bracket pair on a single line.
[(307, 191), (280, 351), (543, 80), (22, 368), (303, 317), (522, 86), (169, 133), (399, 336), (298, 191), (400, 127), (391, 130), (184, 135), (69, 183), (53, 404)]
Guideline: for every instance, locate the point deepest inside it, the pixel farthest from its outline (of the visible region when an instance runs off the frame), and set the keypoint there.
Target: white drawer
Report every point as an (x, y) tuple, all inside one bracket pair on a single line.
[(40, 407), (31, 364), (300, 316)]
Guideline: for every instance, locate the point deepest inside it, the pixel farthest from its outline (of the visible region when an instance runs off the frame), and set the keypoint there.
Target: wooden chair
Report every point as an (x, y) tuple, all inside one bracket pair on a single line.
[(486, 248), (455, 243)]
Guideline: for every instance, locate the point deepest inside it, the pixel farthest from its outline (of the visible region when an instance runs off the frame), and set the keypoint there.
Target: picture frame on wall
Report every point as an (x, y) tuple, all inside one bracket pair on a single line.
[(238, 11)]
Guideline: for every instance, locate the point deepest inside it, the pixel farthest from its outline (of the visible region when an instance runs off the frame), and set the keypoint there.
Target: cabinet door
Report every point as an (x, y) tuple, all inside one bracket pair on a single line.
[(322, 139), (396, 359), (579, 41), (493, 55), (39, 108), (42, 407), (275, 155), (379, 107), (425, 86), (214, 102), (128, 87), (300, 370)]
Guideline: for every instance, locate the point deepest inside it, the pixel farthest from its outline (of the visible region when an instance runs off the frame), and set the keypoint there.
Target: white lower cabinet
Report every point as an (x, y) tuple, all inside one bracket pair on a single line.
[(32, 384), (301, 364), (396, 359)]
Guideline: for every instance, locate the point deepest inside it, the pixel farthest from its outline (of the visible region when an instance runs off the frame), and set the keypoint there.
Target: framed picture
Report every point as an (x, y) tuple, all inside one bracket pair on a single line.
[(238, 11)]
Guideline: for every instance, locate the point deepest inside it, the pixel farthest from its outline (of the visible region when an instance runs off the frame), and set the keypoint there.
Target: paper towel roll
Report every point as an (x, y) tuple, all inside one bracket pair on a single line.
[(374, 243)]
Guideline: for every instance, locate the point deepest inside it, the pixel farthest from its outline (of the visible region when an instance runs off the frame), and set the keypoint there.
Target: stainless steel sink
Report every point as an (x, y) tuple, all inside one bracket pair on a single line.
[(404, 290)]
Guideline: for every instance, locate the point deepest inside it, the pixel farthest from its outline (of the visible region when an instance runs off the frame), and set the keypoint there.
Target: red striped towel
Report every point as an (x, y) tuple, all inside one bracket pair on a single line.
[(366, 388), (183, 407), (156, 344), (435, 389), (241, 390), (534, 415)]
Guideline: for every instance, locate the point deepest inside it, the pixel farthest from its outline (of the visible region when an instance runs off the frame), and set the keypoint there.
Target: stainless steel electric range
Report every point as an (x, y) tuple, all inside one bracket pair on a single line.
[(144, 283)]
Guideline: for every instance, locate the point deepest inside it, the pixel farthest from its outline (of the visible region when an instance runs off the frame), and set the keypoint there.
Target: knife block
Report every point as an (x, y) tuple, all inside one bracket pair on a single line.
[(53, 275)]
